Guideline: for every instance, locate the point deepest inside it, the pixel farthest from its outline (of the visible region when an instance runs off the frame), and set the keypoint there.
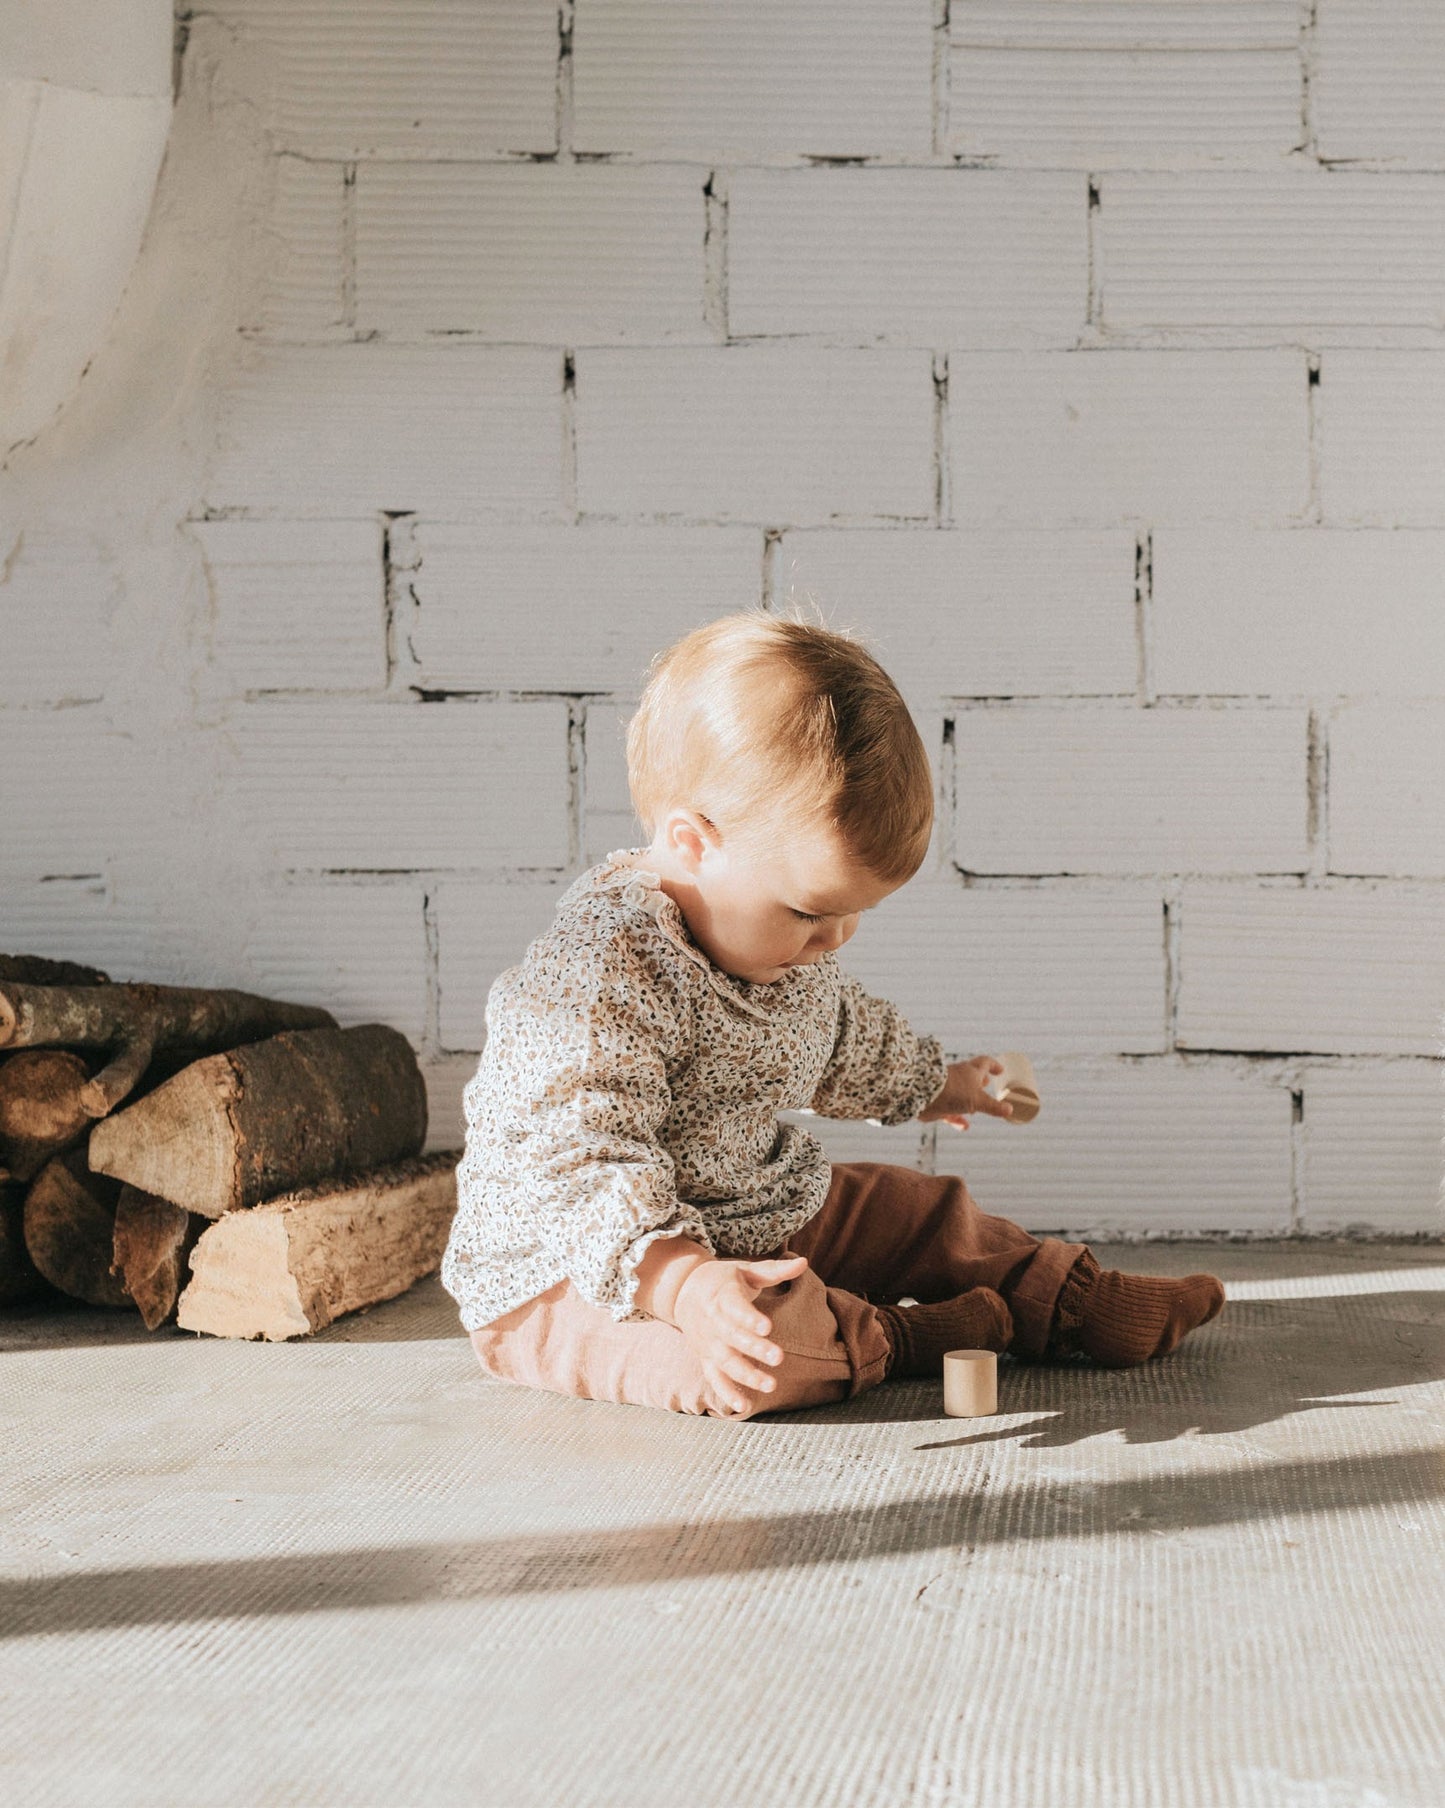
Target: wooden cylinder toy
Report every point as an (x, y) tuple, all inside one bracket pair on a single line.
[(970, 1384), (1017, 1084)]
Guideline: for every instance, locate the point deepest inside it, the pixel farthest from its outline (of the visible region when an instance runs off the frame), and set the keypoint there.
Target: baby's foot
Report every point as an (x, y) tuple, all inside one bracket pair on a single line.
[(1119, 1320), (921, 1335)]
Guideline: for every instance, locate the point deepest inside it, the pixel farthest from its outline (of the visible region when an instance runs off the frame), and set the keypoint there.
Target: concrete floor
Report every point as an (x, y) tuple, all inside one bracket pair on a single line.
[(356, 1571)]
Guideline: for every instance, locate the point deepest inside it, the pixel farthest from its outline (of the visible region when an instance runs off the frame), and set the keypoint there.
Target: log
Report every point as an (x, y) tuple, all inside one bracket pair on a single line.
[(40, 1109), (292, 1265), (135, 1022), (70, 1230), (153, 1243), (34, 970), (237, 1128), (20, 1279)]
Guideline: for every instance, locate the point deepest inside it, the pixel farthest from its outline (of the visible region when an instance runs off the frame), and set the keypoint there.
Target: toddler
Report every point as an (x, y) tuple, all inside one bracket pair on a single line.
[(633, 1222)]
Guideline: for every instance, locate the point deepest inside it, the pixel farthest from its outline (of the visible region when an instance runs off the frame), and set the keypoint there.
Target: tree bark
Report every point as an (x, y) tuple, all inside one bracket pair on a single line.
[(133, 1022), (20, 1279), (40, 1108), (240, 1127), (286, 1268), (70, 1230), (153, 1242), (32, 970)]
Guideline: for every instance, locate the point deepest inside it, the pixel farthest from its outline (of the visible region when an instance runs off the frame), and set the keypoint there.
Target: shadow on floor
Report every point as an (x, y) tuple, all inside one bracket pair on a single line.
[(482, 1569)]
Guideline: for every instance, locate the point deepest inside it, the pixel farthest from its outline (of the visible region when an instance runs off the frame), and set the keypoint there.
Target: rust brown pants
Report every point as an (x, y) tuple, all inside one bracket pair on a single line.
[(883, 1233)]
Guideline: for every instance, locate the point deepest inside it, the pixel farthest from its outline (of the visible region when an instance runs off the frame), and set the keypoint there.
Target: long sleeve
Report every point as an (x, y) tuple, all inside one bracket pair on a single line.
[(880, 1066), (580, 1118)]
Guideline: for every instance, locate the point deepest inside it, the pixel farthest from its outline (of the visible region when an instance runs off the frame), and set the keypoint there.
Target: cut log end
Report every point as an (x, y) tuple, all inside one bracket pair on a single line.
[(153, 1242), (70, 1230), (40, 1108), (292, 1265)]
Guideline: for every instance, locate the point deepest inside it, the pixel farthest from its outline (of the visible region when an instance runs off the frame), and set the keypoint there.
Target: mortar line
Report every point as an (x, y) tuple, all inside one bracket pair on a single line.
[(576, 780), (566, 13), (1144, 615), (348, 246)]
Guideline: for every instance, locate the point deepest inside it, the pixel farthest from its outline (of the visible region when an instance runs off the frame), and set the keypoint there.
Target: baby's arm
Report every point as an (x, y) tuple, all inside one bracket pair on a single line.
[(710, 1299)]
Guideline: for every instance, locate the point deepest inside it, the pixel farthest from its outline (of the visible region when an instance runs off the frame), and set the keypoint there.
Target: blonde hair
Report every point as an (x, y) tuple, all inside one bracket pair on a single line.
[(765, 724)]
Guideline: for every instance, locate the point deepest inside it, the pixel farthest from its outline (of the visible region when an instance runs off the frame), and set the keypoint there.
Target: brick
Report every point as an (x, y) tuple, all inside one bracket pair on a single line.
[(917, 257), (846, 1139), (357, 949), (609, 821), (303, 271), (1069, 968), (757, 81), (1127, 25), (1322, 252), (1117, 108), (58, 589), (1280, 613), (1387, 788), (296, 605), (1382, 456), (430, 78), (556, 254), (1134, 1147), (1372, 1148), (456, 430), (1095, 438), (483, 927), (75, 919), (446, 1079), (772, 434), (69, 796), (1377, 86), (975, 614), (392, 786), (1044, 789), (1339, 969), (569, 608)]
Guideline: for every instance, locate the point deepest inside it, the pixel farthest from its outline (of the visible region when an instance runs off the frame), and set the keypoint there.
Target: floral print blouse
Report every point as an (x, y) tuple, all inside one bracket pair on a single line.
[(629, 1089)]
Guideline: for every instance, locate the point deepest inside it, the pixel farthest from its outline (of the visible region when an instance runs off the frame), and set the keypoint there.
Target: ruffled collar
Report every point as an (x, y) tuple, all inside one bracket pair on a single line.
[(642, 887)]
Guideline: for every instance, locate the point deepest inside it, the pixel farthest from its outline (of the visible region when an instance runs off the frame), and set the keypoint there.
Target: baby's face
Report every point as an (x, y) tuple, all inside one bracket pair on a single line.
[(758, 917)]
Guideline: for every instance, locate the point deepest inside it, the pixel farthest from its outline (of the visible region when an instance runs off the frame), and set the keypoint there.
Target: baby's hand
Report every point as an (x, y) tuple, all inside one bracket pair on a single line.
[(715, 1312), (964, 1090)]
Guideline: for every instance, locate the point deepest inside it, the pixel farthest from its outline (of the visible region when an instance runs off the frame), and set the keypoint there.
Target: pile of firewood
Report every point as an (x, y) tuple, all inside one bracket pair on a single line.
[(239, 1165)]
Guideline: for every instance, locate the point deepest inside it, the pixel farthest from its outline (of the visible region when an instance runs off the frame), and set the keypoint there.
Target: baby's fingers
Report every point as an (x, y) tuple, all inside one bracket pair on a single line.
[(749, 1374)]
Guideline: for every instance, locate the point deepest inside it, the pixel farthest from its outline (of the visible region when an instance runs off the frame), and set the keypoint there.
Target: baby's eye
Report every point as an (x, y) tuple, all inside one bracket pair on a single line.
[(806, 918)]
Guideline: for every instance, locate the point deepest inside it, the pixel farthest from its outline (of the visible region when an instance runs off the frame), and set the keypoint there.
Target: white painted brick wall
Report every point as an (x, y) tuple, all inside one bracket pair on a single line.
[(978, 614), (1050, 789), (1387, 788), (915, 257), (542, 253), (1095, 438), (1371, 1148), (1330, 254), (1378, 82), (1308, 612), (771, 434), (476, 352), (1153, 1147), (598, 600), (1382, 438), (1124, 85), (1062, 967), (394, 787), (455, 429), (1344, 968), (829, 78), (257, 571)]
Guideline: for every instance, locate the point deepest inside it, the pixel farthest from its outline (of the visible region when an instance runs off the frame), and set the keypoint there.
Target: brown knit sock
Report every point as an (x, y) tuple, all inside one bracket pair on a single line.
[(920, 1335), (1119, 1320)]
